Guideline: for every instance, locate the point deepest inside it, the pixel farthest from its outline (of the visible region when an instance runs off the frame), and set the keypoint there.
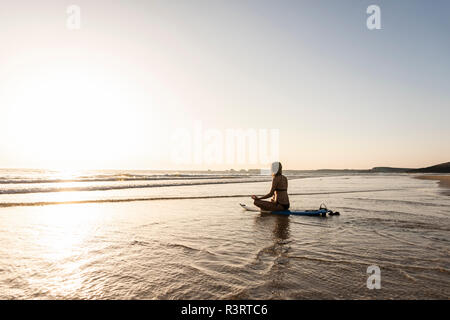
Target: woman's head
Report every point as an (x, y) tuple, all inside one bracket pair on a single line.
[(276, 168)]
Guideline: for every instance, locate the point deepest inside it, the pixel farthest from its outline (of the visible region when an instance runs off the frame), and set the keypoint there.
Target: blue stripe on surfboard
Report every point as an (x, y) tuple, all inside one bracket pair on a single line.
[(301, 213), (289, 212)]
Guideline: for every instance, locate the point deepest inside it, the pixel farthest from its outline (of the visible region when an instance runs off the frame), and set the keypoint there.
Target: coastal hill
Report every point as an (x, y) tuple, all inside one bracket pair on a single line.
[(439, 168), (390, 169)]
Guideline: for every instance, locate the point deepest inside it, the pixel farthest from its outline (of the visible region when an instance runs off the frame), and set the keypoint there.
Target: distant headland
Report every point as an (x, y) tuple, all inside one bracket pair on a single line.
[(439, 168)]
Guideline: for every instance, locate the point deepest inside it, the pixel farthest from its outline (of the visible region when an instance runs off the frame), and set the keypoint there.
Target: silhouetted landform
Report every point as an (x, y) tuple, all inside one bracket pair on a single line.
[(439, 168), (330, 171), (389, 169)]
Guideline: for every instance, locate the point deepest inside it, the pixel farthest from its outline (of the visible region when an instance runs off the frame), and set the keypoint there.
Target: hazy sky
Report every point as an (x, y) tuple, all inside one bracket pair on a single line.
[(112, 94)]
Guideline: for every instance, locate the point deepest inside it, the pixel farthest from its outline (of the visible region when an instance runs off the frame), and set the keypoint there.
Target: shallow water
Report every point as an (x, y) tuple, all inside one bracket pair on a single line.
[(208, 248)]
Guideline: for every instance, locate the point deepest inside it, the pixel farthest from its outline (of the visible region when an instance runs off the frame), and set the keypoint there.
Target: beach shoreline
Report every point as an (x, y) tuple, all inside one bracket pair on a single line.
[(204, 246), (444, 181)]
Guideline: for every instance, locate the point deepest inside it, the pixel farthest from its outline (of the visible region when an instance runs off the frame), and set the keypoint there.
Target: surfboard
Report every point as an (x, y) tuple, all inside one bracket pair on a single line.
[(319, 212), (255, 209)]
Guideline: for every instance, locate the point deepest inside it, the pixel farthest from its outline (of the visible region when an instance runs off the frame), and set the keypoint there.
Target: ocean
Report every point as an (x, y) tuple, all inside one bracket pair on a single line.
[(167, 235)]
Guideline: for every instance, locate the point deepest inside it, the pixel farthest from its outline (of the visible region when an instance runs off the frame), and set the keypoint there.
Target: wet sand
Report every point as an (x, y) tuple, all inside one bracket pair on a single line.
[(209, 248), (444, 181)]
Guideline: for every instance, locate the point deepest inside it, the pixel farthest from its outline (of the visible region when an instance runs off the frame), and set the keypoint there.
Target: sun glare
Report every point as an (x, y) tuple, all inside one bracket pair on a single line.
[(65, 232), (70, 119)]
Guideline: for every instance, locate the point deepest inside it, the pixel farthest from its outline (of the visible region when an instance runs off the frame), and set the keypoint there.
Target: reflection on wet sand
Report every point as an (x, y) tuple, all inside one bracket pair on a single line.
[(280, 231), (276, 254), (281, 228)]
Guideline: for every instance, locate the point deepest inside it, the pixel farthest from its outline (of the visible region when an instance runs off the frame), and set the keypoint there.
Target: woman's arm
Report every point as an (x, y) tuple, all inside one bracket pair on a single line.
[(272, 190)]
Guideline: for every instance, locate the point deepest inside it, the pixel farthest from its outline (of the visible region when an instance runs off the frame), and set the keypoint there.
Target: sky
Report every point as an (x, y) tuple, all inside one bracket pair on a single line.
[(140, 81)]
